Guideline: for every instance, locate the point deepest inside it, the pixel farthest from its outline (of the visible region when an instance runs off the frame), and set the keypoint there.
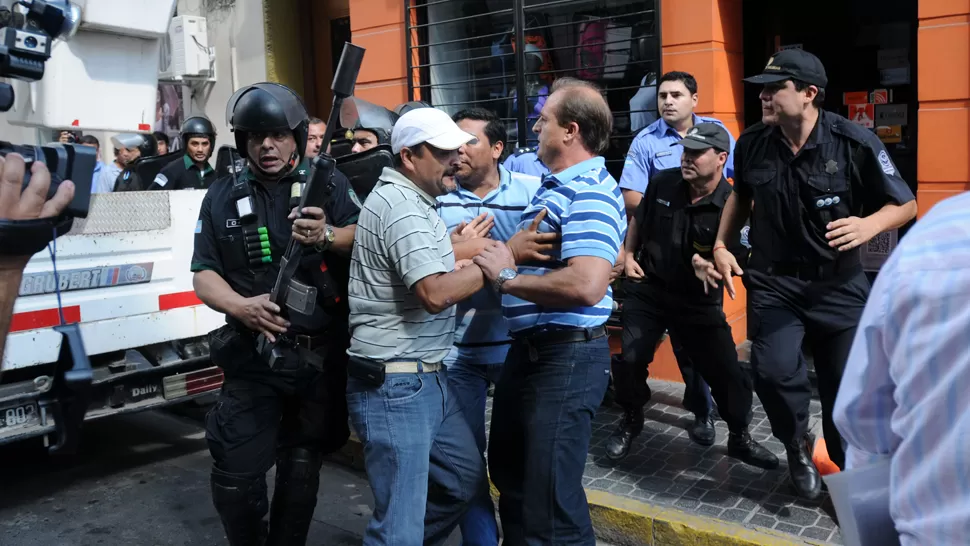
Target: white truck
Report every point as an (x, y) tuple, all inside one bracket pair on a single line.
[(123, 274)]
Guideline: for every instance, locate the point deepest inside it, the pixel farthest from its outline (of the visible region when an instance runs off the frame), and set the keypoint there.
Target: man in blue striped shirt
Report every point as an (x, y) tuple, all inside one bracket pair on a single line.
[(481, 333), (904, 388), (558, 367), (656, 149)]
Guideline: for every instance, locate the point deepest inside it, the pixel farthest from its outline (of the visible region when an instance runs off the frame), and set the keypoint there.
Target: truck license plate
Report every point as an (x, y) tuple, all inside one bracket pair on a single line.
[(18, 416)]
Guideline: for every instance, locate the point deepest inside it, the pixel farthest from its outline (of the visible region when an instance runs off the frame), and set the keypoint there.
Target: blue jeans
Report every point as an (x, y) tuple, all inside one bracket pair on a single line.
[(468, 382), (419, 455), (542, 412)]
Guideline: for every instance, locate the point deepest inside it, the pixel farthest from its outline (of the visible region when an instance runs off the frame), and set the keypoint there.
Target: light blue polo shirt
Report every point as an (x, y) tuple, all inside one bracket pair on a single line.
[(481, 332), (653, 150), (586, 208), (526, 163)]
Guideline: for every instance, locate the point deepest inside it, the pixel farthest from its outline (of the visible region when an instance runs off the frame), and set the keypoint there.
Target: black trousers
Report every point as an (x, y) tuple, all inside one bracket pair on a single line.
[(703, 331), (260, 412), (785, 312)]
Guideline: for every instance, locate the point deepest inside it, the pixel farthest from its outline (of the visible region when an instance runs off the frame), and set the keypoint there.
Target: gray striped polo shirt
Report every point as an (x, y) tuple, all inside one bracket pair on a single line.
[(400, 240)]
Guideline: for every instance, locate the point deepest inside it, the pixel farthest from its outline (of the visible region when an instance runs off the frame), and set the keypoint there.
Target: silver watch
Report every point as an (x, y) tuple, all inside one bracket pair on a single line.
[(506, 274)]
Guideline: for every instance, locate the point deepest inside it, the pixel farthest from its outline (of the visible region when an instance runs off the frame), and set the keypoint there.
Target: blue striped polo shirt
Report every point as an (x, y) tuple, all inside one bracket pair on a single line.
[(586, 208), (481, 334)]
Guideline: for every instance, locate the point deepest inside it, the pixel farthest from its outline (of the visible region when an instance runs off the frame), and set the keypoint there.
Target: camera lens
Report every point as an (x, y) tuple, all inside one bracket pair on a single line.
[(30, 42)]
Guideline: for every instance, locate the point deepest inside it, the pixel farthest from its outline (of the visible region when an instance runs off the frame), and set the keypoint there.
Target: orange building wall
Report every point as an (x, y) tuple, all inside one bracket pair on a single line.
[(943, 152), (378, 26)]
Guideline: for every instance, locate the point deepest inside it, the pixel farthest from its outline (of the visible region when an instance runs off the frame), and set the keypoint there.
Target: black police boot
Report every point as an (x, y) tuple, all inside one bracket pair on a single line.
[(241, 503), (804, 476), (702, 431), (295, 496), (618, 446), (742, 447)]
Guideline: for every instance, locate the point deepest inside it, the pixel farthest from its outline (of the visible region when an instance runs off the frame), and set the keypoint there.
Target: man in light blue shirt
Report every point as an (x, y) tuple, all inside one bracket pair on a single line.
[(654, 150), (903, 391), (92, 141), (481, 333), (558, 367), (525, 161)]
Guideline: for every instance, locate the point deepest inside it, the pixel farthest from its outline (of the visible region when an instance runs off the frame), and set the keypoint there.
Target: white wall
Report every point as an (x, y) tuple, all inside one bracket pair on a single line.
[(240, 27)]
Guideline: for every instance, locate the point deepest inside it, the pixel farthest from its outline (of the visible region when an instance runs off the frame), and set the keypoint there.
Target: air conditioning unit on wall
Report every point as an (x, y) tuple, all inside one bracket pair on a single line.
[(186, 55)]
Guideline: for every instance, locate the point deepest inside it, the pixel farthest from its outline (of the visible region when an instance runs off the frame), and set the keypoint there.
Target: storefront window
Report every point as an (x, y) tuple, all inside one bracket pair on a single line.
[(488, 53)]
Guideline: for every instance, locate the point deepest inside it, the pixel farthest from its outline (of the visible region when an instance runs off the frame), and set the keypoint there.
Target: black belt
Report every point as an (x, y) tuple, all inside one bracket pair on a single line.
[(557, 337), (311, 343), (813, 272)]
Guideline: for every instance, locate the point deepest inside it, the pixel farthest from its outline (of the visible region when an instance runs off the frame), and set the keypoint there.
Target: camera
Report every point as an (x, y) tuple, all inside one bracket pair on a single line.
[(26, 36), (65, 162)]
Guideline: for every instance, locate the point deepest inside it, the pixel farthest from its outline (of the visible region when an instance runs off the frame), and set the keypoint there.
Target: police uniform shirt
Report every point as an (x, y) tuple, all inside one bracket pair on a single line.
[(128, 180), (655, 149), (672, 230), (183, 175), (842, 170), (220, 245), (526, 161)]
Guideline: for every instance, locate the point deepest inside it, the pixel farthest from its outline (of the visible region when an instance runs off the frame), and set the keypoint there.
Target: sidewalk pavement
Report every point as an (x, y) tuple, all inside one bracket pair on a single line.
[(672, 491)]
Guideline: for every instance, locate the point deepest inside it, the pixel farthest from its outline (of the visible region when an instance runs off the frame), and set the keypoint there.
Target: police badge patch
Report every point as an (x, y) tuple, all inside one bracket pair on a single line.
[(354, 198), (161, 180), (886, 163)]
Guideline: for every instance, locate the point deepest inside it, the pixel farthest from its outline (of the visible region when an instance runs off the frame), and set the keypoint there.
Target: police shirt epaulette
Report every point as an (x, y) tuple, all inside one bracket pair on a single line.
[(521, 151), (851, 131)]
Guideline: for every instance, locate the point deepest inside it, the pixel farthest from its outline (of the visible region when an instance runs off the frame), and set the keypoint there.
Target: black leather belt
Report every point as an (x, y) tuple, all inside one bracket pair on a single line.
[(813, 272), (556, 337), (311, 343)]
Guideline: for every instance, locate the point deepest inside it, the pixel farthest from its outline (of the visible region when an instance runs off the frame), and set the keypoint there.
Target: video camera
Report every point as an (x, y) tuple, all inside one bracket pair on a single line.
[(64, 40), (26, 37)]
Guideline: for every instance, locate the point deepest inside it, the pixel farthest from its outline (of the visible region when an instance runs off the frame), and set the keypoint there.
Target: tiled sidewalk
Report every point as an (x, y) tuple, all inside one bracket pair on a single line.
[(666, 469)]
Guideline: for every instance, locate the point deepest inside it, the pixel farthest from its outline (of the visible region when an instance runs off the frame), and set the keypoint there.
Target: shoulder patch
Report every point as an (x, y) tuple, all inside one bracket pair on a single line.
[(198, 226), (886, 164), (161, 179), (127, 175), (354, 198)]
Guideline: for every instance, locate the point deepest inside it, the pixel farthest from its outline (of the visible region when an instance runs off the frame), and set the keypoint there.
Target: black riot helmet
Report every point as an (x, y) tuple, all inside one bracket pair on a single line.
[(408, 106), (197, 126), (263, 107), (144, 143), (358, 114)]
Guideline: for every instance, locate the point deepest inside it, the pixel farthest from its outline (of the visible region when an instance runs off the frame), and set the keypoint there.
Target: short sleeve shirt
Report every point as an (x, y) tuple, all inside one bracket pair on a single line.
[(586, 208), (400, 240), (655, 149)]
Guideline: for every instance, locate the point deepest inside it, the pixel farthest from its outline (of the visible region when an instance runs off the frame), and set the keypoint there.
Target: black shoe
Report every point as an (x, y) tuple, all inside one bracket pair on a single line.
[(742, 447), (618, 446), (804, 476), (702, 431)]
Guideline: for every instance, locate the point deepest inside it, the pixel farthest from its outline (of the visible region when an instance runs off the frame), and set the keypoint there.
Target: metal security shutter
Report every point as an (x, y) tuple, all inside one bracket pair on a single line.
[(488, 53)]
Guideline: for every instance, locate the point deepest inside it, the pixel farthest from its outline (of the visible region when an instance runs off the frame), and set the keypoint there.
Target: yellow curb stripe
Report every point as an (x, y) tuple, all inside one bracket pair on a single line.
[(628, 522)]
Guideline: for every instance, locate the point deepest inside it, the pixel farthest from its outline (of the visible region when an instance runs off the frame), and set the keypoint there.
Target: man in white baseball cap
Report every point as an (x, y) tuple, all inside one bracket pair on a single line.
[(421, 457)]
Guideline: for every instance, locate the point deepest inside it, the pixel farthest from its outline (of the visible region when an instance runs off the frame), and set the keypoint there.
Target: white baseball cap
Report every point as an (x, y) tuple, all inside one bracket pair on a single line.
[(427, 125)]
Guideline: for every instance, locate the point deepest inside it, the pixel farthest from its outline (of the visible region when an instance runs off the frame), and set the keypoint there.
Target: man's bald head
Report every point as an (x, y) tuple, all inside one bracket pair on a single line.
[(582, 103)]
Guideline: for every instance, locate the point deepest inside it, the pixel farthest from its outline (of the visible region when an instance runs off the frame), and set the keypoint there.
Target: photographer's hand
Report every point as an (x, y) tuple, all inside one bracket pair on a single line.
[(30, 204)]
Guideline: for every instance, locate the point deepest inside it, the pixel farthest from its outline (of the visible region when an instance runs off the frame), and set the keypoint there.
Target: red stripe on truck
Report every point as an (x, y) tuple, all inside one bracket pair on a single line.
[(177, 300), (45, 318)]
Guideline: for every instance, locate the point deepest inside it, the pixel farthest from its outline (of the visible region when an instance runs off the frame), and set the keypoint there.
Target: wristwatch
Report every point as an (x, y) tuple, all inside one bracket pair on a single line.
[(328, 238), (506, 274)]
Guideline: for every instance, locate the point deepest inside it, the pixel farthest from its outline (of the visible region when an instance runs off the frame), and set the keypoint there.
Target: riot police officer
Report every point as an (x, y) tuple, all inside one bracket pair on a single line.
[(677, 219), (131, 147), (816, 187), (370, 123), (198, 137), (293, 411)]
